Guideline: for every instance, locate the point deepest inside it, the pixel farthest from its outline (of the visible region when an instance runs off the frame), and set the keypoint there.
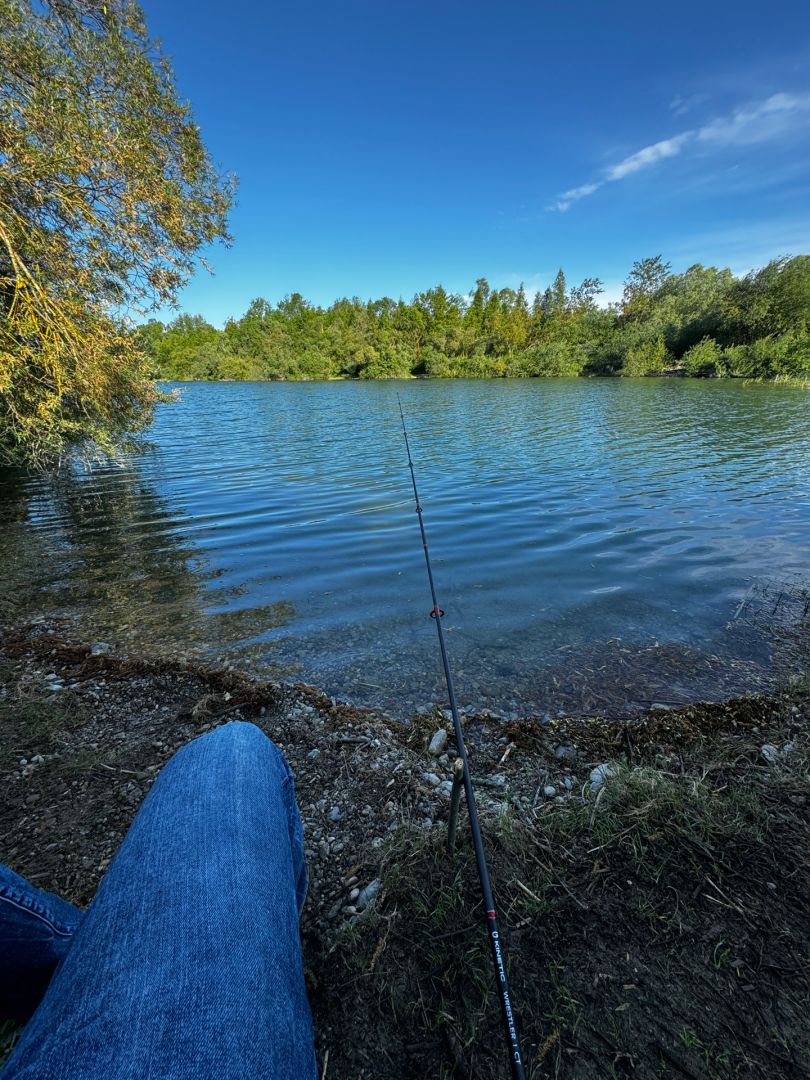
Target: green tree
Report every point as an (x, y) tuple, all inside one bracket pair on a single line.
[(106, 196), (645, 279)]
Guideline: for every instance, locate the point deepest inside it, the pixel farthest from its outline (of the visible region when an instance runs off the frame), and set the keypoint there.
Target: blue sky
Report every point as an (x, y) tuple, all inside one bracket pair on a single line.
[(383, 148)]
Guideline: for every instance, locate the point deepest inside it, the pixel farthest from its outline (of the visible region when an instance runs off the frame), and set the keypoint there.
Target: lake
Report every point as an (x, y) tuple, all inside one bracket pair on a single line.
[(598, 544)]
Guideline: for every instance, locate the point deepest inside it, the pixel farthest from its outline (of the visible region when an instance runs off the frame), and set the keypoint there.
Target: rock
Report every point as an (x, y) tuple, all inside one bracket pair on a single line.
[(431, 778), (444, 759), (568, 783), (600, 774), (772, 753), (446, 788), (438, 742), (313, 754), (335, 814), (549, 791), (353, 895), (334, 910), (564, 753), (367, 896), (100, 648), (323, 849)]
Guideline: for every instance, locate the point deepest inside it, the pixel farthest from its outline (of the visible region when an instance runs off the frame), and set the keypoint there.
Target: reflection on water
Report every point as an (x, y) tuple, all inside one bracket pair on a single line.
[(591, 538)]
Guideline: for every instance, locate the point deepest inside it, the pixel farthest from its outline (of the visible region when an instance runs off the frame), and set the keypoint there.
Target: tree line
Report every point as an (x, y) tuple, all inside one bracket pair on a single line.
[(703, 322)]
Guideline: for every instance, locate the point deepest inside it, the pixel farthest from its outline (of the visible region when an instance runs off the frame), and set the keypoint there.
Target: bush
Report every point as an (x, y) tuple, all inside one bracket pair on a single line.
[(705, 358), (647, 358), (551, 359)]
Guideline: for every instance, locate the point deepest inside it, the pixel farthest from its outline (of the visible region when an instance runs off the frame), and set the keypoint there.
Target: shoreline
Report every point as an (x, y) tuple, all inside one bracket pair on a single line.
[(584, 868)]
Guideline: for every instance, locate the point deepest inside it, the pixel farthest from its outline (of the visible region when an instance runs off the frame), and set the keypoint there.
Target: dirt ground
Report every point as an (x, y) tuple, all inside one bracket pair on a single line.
[(652, 873)]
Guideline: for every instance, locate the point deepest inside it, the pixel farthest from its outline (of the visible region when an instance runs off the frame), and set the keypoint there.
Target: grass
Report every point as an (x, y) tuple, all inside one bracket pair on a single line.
[(637, 916)]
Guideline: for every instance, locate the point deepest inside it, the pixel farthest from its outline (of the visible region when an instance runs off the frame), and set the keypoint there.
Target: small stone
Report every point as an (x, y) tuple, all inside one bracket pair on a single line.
[(353, 895), (323, 849), (770, 753), (600, 774), (367, 896), (100, 648), (564, 753), (335, 814), (549, 791), (444, 759), (446, 788), (438, 742), (568, 783), (313, 754), (334, 910), (431, 778)]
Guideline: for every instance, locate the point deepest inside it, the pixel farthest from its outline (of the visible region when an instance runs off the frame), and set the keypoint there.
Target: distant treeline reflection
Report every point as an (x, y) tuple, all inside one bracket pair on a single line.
[(703, 322)]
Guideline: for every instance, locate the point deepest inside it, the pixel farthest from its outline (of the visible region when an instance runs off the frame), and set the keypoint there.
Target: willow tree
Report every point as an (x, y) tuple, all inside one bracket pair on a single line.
[(107, 195)]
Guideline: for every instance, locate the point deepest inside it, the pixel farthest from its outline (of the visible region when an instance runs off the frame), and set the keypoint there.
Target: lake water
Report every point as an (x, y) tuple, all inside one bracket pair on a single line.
[(593, 540)]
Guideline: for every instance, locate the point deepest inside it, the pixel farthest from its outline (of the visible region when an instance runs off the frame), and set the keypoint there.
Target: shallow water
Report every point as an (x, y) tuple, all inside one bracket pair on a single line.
[(592, 539)]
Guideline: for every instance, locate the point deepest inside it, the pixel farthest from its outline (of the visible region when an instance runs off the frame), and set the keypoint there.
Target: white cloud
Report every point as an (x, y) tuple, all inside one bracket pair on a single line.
[(650, 155), (572, 196), (680, 106), (756, 122)]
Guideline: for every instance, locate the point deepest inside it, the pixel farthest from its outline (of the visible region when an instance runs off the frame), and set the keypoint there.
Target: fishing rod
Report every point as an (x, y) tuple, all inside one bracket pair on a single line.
[(515, 1057)]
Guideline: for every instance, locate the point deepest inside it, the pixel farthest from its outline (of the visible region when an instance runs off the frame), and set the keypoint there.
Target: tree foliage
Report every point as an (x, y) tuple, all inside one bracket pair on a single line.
[(106, 195), (702, 322)]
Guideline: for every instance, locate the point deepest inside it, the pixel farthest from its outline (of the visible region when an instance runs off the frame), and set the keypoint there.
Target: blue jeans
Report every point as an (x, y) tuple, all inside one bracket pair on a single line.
[(188, 962)]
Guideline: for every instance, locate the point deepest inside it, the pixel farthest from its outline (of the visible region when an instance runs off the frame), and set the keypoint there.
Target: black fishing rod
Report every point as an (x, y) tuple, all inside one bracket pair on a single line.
[(515, 1058)]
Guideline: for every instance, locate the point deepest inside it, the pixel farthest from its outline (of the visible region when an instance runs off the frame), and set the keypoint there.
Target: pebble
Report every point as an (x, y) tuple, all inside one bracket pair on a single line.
[(446, 788), (438, 742), (431, 778), (367, 896), (335, 814), (313, 754), (563, 753), (353, 895), (772, 753), (549, 791), (100, 648), (323, 849), (600, 774), (568, 782)]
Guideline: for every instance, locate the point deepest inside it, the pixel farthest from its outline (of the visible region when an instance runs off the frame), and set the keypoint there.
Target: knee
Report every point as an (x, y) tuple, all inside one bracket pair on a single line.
[(238, 739)]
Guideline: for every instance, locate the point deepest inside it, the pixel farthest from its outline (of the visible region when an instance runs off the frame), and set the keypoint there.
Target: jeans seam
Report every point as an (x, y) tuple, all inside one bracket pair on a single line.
[(57, 928)]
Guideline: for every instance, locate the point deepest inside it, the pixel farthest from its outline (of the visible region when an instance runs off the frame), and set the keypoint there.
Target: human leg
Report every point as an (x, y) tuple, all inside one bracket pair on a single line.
[(188, 963)]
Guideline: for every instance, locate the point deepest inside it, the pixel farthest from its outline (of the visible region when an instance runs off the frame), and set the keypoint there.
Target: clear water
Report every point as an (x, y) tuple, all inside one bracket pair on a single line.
[(592, 539)]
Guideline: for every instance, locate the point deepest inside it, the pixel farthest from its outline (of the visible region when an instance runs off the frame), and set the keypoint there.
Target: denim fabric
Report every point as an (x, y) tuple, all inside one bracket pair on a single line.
[(188, 961), (36, 929)]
